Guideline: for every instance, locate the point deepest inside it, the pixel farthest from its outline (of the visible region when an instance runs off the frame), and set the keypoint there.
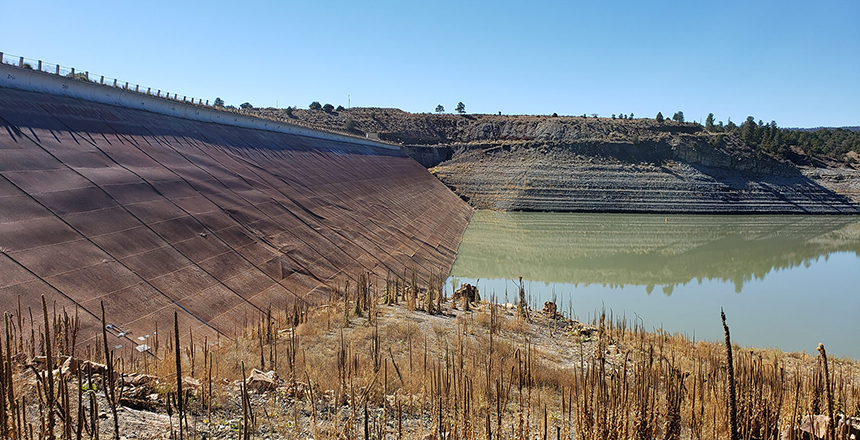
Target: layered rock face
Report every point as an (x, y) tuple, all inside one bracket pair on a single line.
[(573, 163), (678, 174), (152, 214)]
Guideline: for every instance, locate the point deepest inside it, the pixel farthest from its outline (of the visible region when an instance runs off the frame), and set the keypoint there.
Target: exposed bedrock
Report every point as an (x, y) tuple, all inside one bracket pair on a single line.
[(152, 213), (677, 174)]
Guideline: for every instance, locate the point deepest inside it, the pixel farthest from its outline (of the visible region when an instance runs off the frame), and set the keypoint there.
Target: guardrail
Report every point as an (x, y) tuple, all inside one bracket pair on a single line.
[(70, 72), (127, 86)]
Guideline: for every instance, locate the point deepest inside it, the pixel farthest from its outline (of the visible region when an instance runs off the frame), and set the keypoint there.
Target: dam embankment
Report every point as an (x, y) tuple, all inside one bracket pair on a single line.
[(151, 213)]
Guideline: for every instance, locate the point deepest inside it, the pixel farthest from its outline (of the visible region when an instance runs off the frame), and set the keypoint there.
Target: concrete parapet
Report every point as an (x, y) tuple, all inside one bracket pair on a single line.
[(38, 81)]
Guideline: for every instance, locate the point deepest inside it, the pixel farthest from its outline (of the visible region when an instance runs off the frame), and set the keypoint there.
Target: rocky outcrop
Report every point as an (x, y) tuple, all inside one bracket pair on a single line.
[(676, 174), (429, 156), (573, 163)]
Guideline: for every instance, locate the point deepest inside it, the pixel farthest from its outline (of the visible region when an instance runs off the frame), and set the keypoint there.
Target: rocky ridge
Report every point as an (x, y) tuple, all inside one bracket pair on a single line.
[(546, 163)]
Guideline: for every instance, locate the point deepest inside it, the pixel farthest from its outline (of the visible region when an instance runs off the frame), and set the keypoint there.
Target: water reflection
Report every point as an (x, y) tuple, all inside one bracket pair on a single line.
[(784, 281), (647, 250)]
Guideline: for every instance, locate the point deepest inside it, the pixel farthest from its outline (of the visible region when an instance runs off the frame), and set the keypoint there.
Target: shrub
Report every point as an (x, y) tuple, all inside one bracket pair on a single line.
[(78, 76), (219, 102), (659, 117), (328, 108), (349, 125), (246, 105), (315, 106), (716, 141), (339, 108)]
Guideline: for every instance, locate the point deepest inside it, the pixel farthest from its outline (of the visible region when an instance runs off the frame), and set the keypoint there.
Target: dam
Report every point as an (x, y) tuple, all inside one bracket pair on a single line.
[(151, 206)]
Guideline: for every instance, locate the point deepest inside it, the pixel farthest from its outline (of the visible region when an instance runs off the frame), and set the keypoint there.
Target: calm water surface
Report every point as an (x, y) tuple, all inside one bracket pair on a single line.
[(784, 281)]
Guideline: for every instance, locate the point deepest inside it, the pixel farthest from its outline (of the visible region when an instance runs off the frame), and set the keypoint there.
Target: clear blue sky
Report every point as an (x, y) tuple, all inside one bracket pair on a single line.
[(796, 62)]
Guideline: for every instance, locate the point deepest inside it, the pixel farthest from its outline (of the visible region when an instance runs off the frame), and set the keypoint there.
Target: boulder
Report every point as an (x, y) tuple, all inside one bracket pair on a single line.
[(467, 292), (69, 365), (549, 309), (135, 379), (191, 383), (815, 428), (260, 381)]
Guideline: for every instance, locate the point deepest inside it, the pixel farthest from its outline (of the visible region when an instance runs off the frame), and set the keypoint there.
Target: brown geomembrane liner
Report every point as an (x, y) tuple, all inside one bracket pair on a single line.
[(129, 242), (156, 262), (153, 214), (75, 255), (35, 232), (20, 207), (75, 200)]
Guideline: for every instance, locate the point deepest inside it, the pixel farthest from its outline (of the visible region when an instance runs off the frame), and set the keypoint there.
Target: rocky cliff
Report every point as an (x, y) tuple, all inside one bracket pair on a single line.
[(547, 163), (688, 177)]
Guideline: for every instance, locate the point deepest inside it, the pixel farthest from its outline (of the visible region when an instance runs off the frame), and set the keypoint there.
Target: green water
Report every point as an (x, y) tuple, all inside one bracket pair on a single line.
[(784, 281)]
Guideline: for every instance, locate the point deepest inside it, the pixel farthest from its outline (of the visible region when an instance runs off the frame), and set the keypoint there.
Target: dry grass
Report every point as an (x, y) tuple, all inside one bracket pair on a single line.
[(366, 366)]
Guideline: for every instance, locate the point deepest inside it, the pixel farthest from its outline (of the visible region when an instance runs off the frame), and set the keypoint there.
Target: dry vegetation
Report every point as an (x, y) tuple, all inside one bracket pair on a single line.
[(389, 359)]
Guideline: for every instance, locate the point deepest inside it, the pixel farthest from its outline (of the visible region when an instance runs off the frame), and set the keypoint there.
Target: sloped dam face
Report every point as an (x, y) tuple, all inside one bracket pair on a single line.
[(153, 214)]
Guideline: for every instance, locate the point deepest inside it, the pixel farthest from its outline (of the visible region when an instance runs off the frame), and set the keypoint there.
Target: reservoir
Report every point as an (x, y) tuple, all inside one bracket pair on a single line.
[(787, 281)]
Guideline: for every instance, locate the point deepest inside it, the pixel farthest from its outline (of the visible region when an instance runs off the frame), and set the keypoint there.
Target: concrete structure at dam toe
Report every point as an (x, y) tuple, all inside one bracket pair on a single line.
[(152, 214)]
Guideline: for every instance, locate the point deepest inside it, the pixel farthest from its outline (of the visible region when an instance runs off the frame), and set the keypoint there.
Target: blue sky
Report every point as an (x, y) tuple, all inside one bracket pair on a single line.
[(796, 62)]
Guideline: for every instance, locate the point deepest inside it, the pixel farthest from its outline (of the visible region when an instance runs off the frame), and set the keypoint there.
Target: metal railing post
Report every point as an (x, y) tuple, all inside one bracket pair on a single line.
[(1, 57), (21, 62), (102, 80), (73, 72), (58, 69), (40, 65), (114, 82), (87, 75)]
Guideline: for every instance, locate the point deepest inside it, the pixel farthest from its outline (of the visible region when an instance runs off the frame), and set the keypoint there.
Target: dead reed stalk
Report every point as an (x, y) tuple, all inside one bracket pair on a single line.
[(831, 423), (732, 398)]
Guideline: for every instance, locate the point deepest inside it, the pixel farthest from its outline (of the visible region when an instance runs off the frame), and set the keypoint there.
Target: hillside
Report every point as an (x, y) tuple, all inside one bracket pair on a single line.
[(548, 163), (423, 129)]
